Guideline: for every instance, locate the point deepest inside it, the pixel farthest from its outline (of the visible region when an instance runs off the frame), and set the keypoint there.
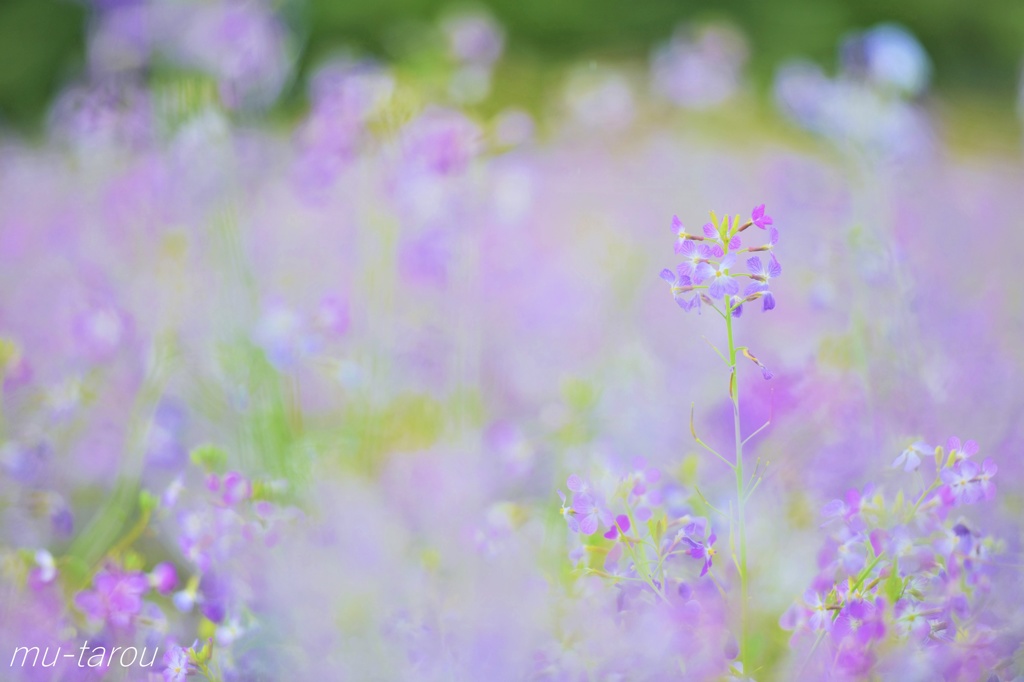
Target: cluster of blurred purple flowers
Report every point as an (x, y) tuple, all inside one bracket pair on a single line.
[(904, 570)]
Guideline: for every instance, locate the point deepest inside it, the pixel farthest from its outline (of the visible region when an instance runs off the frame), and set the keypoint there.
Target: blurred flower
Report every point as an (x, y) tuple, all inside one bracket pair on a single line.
[(513, 128), (163, 578), (866, 115), (177, 663), (889, 56), (243, 44), (166, 448), (600, 101), (699, 69), (910, 458), (45, 569), (474, 38), (116, 597), (961, 450), (101, 330), (587, 512), (621, 526), (703, 550)]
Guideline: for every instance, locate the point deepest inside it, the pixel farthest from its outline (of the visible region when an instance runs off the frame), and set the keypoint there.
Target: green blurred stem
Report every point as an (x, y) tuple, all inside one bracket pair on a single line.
[(741, 522), (104, 531), (935, 484), (641, 564), (133, 534)]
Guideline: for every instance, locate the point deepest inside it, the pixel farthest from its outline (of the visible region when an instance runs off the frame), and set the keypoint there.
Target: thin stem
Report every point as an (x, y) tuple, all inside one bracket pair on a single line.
[(753, 475), (132, 535), (935, 484), (771, 413), (715, 348), (709, 505), (641, 566), (810, 654), (704, 445), (715, 308), (740, 497), (867, 571), (756, 483)]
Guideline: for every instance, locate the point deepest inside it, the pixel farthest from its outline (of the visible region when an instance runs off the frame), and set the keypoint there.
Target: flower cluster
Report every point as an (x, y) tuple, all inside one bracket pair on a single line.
[(709, 273), (637, 531), (646, 530), (181, 662), (905, 570)]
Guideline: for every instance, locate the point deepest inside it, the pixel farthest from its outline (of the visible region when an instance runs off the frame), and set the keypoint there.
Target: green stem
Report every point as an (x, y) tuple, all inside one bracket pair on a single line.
[(641, 565), (935, 484), (133, 534), (741, 522)]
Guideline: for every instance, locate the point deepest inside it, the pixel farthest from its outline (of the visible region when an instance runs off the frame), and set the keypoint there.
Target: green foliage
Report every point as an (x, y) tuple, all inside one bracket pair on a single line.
[(893, 586), (974, 46), (210, 457), (41, 43)]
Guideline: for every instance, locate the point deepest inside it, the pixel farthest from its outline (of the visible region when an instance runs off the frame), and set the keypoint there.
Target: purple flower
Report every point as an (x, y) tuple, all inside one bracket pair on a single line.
[(696, 264), (758, 217), (762, 276), (569, 515), (722, 283), (849, 509), (860, 621), (702, 550), (910, 459), (912, 620), (681, 285), (684, 238), (820, 617), (116, 597), (576, 484), (101, 330), (165, 447), (621, 525), (964, 450), (163, 578), (967, 482), (587, 512), (177, 664), (213, 601), (988, 470), (237, 488), (45, 570), (440, 142), (719, 243), (474, 39), (333, 315)]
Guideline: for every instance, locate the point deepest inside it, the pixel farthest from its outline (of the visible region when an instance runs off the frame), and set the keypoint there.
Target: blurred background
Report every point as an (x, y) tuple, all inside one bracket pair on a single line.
[(316, 306), (976, 50)]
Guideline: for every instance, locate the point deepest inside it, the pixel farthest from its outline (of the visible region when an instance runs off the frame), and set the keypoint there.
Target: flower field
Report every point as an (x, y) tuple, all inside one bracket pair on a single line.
[(472, 369)]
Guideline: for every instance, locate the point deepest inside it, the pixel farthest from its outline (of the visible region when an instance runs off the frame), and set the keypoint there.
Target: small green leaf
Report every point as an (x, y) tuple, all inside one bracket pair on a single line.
[(147, 501), (688, 469), (133, 561), (657, 527), (209, 457), (893, 586)]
